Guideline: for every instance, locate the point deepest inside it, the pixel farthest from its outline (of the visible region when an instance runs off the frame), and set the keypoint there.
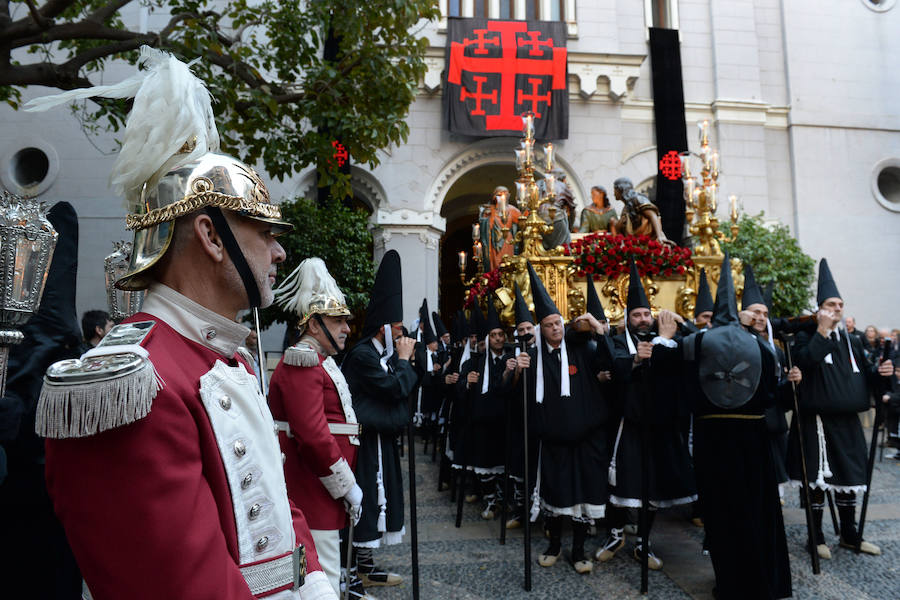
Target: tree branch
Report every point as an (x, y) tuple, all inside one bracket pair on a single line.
[(102, 14), (75, 31), (36, 15), (46, 74), (52, 8), (85, 56)]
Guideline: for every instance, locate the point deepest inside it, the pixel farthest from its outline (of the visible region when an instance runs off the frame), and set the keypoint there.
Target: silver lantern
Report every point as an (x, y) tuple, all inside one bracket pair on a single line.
[(27, 241), (122, 303)]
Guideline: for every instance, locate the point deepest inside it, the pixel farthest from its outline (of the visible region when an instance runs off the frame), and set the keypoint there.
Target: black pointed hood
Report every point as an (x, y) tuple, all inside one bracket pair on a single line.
[(477, 324), (427, 331), (704, 296), (543, 304), (523, 315), (637, 298), (767, 294), (439, 328), (493, 319), (593, 304), (827, 287), (752, 293), (386, 298), (461, 326), (725, 311)]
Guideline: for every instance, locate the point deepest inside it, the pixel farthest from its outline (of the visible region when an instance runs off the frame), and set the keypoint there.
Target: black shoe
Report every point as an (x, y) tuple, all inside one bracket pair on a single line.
[(379, 577)]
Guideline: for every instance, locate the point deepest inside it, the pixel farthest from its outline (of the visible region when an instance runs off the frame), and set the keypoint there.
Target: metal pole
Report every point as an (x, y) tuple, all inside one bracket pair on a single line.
[(413, 525), (813, 554), (349, 560), (504, 501), (880, 411), (526, 510)]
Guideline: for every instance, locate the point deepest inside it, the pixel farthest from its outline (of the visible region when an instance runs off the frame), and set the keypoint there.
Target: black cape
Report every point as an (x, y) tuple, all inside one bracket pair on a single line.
[(735, 474), (380, 400)]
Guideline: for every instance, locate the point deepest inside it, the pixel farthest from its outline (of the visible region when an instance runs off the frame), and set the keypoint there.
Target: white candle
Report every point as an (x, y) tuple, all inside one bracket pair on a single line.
[(462, 260), (548, 156), (476, 231)]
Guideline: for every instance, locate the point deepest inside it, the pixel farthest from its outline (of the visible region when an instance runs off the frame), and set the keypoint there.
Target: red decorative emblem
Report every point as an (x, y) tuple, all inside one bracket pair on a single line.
[(340, 155), (670, 165), (573, 370), (535, 67)]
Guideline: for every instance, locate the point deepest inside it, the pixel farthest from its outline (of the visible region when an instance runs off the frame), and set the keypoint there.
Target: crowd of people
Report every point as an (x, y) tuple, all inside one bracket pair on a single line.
[(163, 470)]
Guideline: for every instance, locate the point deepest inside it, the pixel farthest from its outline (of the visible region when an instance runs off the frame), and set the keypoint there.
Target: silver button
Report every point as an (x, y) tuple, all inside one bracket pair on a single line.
[(211, 334), (262, 542), (225, 402), (246, 481), (254, 511), (240, 449), (283, 458)]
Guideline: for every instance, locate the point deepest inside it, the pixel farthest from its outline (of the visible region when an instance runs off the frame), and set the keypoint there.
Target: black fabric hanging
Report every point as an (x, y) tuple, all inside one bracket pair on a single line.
[(671, 134)]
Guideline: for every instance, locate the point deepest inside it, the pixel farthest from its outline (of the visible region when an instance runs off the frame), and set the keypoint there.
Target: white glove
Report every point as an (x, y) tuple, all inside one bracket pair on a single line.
[(353, 503), (418, 418)]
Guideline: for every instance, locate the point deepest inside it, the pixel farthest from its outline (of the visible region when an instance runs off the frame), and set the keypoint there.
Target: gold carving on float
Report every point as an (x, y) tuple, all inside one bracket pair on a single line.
[(558, 271)]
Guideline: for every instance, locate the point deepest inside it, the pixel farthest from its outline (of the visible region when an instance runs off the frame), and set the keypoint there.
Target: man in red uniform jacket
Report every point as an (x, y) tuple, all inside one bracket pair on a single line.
[(163, 462), (311, 403)]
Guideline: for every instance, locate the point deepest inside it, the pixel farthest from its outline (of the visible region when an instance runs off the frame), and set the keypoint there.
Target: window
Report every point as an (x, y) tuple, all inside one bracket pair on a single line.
[(886, 183), (453, 8)]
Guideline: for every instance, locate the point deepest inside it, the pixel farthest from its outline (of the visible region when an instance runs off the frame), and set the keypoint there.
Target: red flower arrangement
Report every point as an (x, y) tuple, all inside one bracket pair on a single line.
[(487, 283), (602, 255)]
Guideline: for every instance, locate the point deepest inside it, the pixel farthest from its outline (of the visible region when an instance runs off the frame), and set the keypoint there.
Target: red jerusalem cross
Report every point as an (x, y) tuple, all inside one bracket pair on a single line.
[(534, 98), (535, 44), (478, 96), (481, 42), (508, 66), (670, 165)]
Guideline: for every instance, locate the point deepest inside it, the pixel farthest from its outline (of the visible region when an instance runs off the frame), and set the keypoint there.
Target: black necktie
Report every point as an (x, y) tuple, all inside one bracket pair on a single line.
[(555, 353), (834, 336)]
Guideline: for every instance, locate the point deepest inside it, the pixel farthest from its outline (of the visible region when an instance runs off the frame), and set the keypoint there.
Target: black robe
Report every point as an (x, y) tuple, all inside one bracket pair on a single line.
[(660, 384), (776, 422), (572, 430), (833, 394), (380, 400), (485, 433), (735, 474)]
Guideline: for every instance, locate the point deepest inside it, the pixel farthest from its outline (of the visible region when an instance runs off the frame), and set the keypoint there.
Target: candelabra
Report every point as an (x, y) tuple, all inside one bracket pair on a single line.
[(122, 304), (701, 200), (27, 241), (528, 195)]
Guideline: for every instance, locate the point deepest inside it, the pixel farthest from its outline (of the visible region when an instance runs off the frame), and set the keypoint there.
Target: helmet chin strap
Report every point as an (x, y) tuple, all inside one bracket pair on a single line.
[(234, 252), (327, 333)]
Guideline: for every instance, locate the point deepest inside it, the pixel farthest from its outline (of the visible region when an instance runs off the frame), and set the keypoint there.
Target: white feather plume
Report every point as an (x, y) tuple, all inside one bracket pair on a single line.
[(171, 107), (308, 281)]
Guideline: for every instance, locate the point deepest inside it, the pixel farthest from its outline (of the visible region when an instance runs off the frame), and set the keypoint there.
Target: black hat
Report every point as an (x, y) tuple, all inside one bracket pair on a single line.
[(752, 293), (439, 328), (462, 326), (827, 286), (767, 294), (704, 296), (386, 298), (493, 319), (594, 306), (637, 298), (477, 324), (427, 332), (543, 304), (725, 311), (523, 315)]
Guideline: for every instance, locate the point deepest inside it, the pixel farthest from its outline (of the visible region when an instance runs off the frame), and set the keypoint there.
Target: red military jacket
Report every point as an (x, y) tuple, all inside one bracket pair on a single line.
[(148, 507), (307, 399)]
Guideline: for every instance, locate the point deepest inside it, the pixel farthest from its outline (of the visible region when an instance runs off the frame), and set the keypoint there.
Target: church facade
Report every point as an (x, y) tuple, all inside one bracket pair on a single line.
[(802, 98)]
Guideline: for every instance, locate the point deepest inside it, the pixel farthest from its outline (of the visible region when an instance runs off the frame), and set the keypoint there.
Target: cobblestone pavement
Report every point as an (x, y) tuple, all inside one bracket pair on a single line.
[(469, 563)]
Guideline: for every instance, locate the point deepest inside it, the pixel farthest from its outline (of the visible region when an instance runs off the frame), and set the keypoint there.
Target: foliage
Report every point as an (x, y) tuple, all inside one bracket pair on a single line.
[(277, 100), (339, 236), (604, 255), (775, 256)]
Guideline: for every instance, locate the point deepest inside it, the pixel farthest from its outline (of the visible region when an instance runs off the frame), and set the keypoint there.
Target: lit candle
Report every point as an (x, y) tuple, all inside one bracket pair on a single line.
[(528, 125), (686, 165), (550, 185), (476, 232), (548, 156), (476, 251), (521, 193), (520, 160), (528, 146), (704, 132), (733, 202), (696, 197), (713, 197), (501, 206), (462, 260), (715, 162), (689, 188)]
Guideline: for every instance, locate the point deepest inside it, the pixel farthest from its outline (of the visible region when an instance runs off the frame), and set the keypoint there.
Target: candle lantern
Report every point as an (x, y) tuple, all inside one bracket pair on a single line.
[(122, 304), (27, 241), (528, 125), (549, 156)]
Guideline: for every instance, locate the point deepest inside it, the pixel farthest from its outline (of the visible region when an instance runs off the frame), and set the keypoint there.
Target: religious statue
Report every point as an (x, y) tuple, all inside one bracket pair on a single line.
[(639, 216), (599, 216), (498, 224), (564, 214)]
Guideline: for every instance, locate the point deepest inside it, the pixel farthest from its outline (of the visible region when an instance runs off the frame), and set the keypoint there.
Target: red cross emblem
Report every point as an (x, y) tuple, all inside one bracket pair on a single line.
[(340, 155), (510, 36), (670, 165)]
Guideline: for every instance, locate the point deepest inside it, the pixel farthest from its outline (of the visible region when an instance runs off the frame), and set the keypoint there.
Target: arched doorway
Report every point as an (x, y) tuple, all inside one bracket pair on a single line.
[(460, 210)]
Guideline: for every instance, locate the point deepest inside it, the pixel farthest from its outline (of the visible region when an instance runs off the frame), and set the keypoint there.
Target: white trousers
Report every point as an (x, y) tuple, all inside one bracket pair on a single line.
[(328, 547)]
